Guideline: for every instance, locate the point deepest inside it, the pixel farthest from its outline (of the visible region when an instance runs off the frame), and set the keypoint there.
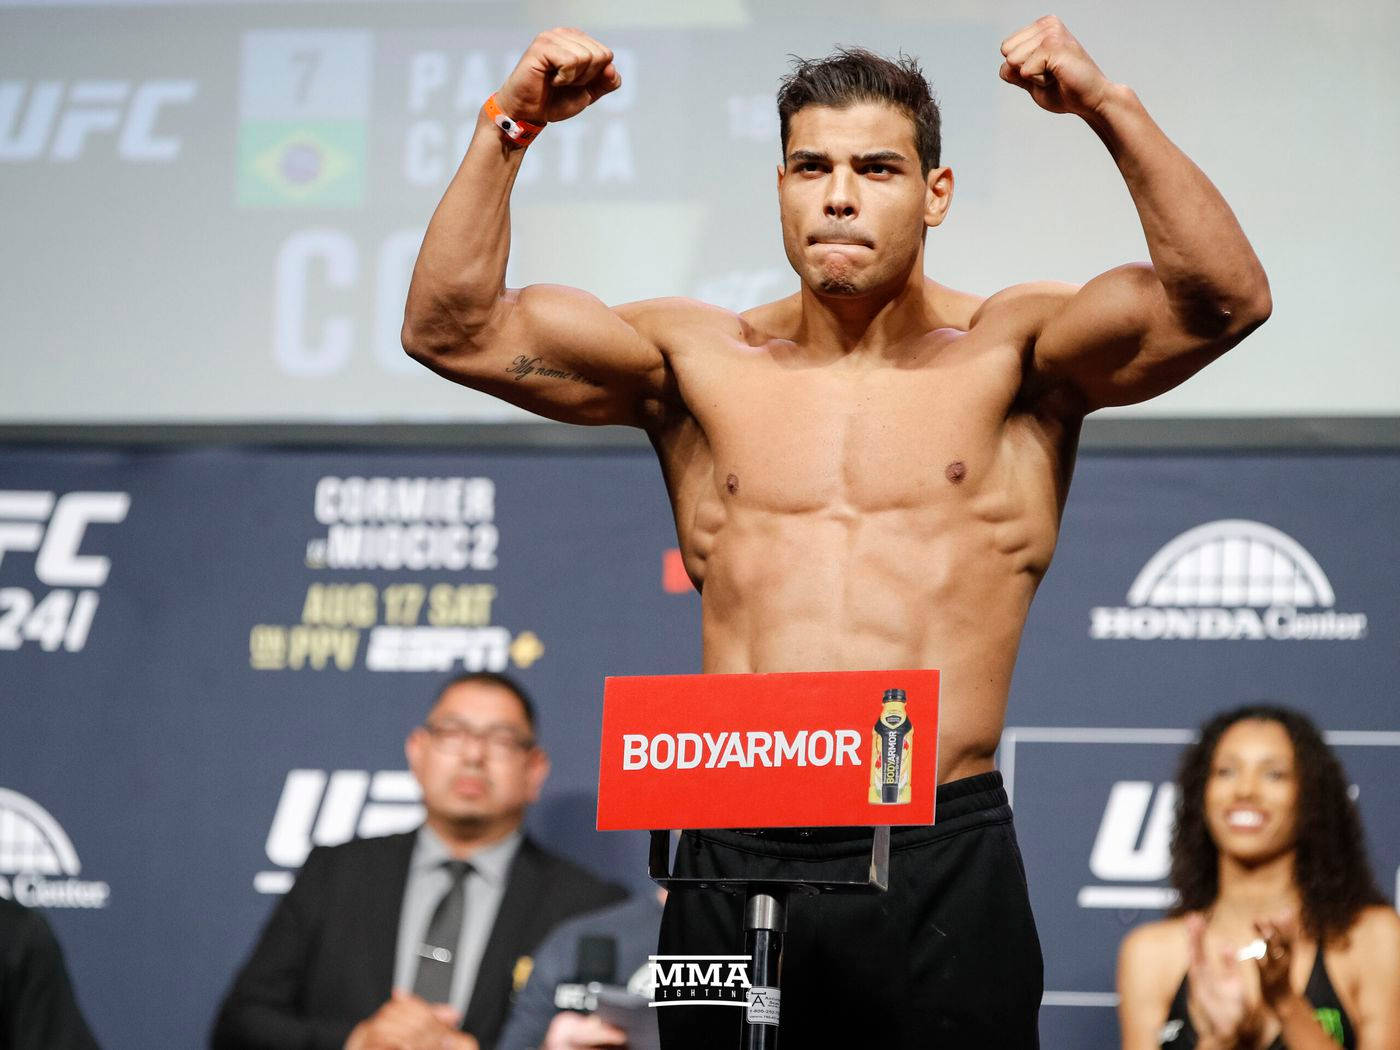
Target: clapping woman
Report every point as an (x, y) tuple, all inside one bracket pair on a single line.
[(1280, 938)]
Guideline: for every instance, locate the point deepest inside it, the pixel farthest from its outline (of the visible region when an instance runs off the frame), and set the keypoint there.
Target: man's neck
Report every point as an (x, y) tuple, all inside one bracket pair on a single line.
[(868, 324), (463, 838)]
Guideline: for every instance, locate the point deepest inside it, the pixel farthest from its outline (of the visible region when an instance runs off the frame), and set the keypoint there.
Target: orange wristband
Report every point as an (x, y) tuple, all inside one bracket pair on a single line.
[(521, 132)]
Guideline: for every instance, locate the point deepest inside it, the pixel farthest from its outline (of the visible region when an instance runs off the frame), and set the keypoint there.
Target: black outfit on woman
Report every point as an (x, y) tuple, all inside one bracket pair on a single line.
[(948, 956), (1178, 1034)]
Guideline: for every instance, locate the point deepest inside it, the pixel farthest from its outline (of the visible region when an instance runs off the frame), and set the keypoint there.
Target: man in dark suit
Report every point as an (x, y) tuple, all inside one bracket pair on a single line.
[(37, 1007), (412, 942)]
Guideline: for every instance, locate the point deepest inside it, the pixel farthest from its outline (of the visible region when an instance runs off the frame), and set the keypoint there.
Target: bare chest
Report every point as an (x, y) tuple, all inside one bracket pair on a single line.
[(864, 439)]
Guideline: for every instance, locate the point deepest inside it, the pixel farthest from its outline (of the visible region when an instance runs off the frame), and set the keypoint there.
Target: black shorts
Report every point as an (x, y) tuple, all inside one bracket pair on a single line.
[(947, 957)]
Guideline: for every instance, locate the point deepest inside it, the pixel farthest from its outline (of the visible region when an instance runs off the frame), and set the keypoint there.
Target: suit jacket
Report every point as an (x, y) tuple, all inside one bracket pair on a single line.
[(634, 927), (325, 960), (37, 1009)]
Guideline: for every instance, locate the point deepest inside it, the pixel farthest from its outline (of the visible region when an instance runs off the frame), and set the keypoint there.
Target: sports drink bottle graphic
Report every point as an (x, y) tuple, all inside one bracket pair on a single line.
[(893, 751)]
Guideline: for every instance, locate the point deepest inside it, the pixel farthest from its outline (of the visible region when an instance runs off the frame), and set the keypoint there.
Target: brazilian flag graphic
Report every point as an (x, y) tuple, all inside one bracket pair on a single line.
[(301, 164)]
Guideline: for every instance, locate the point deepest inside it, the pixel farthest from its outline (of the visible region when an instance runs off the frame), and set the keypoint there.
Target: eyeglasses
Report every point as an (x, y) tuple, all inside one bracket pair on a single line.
[(498, 741)]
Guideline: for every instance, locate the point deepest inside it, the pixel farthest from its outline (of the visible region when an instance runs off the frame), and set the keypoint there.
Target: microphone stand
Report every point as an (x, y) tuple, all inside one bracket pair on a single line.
[(765, 922)]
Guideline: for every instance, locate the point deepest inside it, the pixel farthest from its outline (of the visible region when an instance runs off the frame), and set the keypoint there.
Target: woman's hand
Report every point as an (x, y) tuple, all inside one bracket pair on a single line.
[(1276, 966), (1216, 1000)]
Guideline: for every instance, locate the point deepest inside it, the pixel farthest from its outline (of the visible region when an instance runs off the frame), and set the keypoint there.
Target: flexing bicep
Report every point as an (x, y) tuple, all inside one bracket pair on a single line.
[(555, 351), (1120, 339)]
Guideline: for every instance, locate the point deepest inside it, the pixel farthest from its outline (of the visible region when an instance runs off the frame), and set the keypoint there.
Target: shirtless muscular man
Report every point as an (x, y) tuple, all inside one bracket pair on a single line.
[(867, 474)]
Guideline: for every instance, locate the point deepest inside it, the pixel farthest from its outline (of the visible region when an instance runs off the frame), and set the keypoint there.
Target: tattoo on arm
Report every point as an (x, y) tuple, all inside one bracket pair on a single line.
[(524, 366)]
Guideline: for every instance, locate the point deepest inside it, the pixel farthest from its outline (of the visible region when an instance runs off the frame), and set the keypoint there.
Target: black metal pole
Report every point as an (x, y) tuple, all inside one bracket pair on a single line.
[(765, 922)]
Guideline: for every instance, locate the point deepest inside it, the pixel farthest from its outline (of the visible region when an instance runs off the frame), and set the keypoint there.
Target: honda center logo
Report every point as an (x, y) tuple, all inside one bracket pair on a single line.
[(1229, 580), (38, 864)]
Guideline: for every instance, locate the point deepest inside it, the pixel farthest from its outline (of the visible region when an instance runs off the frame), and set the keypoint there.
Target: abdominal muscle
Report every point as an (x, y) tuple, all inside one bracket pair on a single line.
[(830, 592)]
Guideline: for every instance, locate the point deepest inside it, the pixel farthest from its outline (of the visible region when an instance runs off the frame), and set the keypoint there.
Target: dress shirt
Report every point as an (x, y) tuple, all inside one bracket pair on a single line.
[(427, 881)]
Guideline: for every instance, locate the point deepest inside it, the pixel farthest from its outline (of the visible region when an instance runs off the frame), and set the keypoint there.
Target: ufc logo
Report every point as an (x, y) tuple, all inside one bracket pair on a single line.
[(22, 528), (316, 810), (45, 120), (1134, 840)]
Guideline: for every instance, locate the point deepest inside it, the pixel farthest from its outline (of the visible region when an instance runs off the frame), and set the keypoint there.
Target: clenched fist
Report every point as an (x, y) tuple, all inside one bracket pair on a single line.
[(1046, 60), (561, 74)]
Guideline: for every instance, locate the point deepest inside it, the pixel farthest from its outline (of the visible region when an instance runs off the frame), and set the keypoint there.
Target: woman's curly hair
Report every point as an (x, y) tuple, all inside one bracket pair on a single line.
[(1331, 867)]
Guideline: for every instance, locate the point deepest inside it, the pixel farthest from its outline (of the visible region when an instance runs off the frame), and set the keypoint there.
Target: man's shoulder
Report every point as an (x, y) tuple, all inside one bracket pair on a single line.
[(780, 318), (15, 916), (358, 855), (570, 883), (1022, 306), (662, 320), (639, 909), (633, 925), (23, 933), (364, 847), (556, 864)]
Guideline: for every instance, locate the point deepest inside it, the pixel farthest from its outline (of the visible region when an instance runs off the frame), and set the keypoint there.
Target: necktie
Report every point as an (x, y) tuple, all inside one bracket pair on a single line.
[(437, 955)]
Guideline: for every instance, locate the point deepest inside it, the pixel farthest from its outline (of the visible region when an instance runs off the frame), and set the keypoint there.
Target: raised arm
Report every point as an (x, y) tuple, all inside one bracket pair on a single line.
[(556, 351), (1138, 330)]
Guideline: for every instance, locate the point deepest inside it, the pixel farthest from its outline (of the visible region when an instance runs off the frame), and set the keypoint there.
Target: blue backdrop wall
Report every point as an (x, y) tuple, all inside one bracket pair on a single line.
[(209, 658)]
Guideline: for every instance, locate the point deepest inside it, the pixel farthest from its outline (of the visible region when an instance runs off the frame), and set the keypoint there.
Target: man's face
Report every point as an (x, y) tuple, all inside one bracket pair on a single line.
[(853, 200), (475, 758)]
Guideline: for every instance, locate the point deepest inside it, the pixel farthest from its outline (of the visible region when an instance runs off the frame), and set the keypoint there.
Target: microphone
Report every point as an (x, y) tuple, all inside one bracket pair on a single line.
[(596, 960), (595, 964)]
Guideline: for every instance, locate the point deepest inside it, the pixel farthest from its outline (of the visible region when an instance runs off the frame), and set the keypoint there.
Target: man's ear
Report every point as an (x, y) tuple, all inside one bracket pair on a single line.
[(939, 195), (413, 749), (538, 772)]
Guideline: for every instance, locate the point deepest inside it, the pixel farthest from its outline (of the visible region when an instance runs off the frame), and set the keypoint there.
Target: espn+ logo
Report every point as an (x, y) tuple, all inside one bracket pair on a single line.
[(54, 529), (51, 120)]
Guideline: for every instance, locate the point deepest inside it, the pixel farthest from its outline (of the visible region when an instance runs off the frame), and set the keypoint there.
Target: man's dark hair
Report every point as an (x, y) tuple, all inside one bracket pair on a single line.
[(1331, 868), (502, 681), (852, 74)]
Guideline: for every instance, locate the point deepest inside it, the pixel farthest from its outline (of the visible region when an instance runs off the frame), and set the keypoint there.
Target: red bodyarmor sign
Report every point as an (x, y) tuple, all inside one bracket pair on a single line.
[(812, 749)]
